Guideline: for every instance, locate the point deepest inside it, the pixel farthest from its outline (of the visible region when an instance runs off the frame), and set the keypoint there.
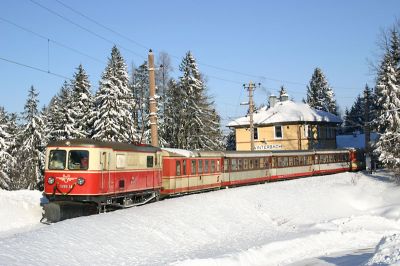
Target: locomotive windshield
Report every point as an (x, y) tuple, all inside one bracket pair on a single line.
[(57, 159), (78, 160)]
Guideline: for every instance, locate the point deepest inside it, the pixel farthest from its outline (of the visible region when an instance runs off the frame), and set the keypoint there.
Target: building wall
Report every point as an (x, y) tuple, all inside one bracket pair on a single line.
[(294, 137)]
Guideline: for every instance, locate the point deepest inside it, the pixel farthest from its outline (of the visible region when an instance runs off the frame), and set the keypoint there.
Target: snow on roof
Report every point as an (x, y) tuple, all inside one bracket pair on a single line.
[(287, 111), (354, 141), (181, 152)]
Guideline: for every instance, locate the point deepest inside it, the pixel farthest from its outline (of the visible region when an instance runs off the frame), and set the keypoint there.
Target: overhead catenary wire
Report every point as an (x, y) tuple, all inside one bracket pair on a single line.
[(86, 29), (199, 62), (51, 40), (34, 68)]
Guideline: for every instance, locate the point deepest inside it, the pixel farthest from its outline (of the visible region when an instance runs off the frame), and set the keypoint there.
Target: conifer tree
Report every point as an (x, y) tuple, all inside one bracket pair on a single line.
[(141, 94), (200, 122), (173, 115), (6, 159), (31, 155), (388, 120), (319, 94), (114, 103), (82, 103)]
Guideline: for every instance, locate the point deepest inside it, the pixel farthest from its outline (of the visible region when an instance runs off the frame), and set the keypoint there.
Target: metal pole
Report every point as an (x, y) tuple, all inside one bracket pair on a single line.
[(153, 108), (251, 107)]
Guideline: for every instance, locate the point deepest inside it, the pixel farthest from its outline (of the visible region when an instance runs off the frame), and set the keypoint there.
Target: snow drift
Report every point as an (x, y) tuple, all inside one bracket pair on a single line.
[(271, 224)]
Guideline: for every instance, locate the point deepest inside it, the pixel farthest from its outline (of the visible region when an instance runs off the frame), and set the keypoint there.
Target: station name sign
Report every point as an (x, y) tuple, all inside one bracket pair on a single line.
[(268, 147)]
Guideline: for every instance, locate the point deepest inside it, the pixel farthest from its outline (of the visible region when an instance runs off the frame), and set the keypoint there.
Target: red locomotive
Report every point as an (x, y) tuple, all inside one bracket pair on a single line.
[(85, 176)]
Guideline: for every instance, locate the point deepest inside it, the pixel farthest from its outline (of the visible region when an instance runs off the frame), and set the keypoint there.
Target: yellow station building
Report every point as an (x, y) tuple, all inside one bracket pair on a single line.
[(287, 125)]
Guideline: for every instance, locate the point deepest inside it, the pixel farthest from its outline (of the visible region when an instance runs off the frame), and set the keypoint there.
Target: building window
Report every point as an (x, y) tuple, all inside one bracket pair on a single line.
[(278, 132), (255, 133)]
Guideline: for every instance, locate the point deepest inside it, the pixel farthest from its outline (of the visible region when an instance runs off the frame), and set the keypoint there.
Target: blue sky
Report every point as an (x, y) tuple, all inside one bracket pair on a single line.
[(272, 42)]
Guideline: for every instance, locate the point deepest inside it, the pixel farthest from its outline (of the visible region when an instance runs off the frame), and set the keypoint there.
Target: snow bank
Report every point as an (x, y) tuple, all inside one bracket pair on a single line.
[(271, 224), (18, 210), (387, 251)]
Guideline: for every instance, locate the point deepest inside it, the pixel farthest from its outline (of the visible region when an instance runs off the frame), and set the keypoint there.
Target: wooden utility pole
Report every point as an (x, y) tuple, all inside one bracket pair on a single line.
[(367, 132), (153, 103), (250, 88)]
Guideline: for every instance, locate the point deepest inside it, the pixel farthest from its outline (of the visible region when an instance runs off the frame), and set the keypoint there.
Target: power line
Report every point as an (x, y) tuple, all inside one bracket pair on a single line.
[(53, 41), (178, 58), (103, 26), (34, 68), (144, 46), (84, 28)]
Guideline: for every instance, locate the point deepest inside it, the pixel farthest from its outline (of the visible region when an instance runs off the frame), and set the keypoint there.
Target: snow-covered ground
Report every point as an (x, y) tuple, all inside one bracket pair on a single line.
[(345, 219)]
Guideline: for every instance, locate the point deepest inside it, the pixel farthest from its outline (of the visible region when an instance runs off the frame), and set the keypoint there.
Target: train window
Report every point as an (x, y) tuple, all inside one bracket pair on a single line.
[(296, 161), (78, 160), (121, 160), (194, 170), (256, 163), (233, 164), (218, 166), (150, 161), (251, 164), (262, 162), (226, 165), (184, 167), (240, 164), (212, 166), (206, 162), (274, 164), (200, 166), (178, 168), (290, 160), (57, 159), (301, 160), (245, 164)]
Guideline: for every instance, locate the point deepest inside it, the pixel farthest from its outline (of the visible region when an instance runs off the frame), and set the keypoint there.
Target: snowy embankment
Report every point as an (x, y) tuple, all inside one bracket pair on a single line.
[(275, 223)]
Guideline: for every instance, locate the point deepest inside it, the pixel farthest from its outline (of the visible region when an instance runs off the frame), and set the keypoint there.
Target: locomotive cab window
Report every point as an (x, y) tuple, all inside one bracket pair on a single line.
[(57, 159), (150, 161), (78, 160)]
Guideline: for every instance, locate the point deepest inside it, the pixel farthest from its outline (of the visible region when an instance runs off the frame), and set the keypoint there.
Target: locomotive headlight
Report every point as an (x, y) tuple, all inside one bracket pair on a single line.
[(50, 180), (81, 181)]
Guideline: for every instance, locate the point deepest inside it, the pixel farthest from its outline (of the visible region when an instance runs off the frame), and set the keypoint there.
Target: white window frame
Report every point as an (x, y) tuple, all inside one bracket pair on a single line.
[(275, 137), (306, 131)]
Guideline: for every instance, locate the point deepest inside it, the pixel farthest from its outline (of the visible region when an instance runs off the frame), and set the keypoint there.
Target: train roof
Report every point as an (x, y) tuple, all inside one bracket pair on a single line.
[(103, 144)]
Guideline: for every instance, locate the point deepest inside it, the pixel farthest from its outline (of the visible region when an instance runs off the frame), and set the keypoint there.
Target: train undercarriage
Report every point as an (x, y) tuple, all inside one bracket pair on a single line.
[(61, 207)]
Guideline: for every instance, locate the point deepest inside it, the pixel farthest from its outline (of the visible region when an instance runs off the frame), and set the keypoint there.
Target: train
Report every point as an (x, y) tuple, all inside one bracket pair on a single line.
[(85, 176)]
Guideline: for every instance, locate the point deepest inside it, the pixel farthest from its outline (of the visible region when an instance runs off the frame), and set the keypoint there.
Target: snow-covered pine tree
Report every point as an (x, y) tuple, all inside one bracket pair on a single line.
[(173, 115), (200, 128), (15, 144), (140, 90), (82, 103), (388, 145), (163, 76), (114, 103), (31, 155), (6, 160), (231, 141), (330, 101), (354, 118), (59, 117), (319, 94)]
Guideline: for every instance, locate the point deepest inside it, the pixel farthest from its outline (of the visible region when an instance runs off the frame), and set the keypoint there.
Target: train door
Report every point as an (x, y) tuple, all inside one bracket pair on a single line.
[(150, 160), (105, 182), (270, 166)]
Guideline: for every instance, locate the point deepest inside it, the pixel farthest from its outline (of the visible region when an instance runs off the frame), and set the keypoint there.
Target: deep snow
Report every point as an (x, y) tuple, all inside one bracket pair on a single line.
[(297, 221)]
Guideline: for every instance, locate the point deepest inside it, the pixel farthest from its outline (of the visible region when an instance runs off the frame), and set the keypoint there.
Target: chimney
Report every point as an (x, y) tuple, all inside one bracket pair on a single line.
[(272, 101), (284, 97)]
